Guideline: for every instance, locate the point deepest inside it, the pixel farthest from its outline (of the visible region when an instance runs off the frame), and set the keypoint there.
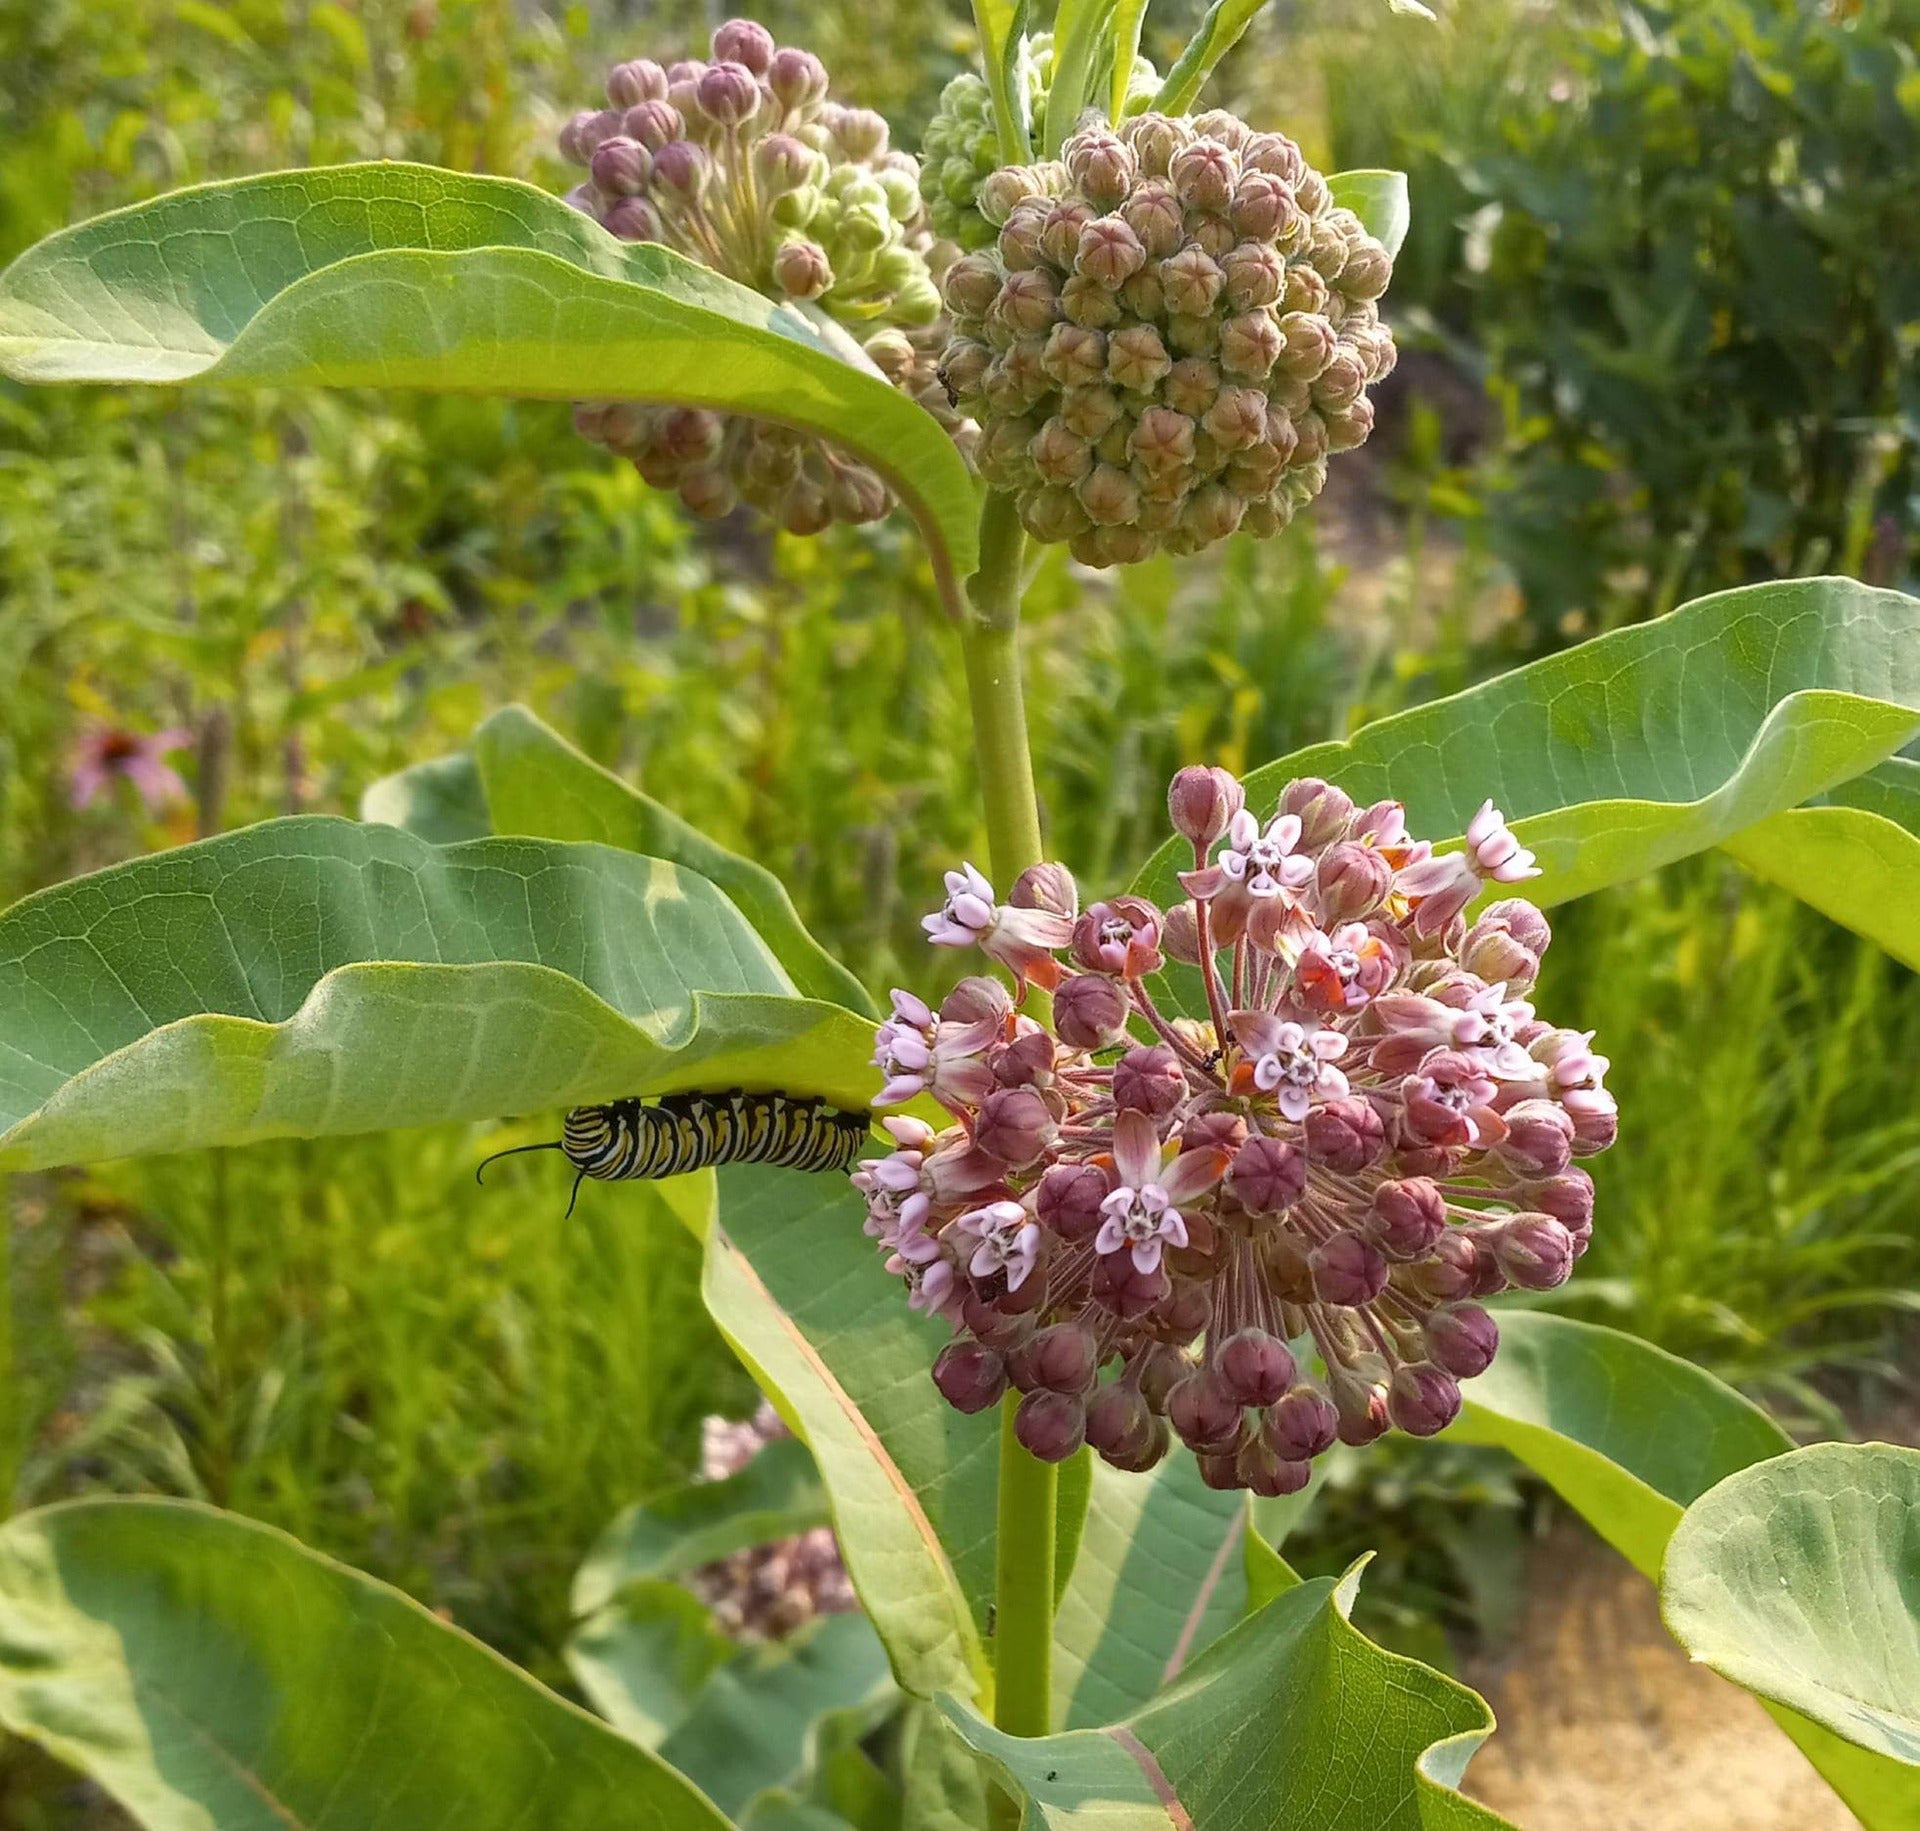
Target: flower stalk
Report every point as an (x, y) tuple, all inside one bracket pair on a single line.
[(1029, 1488)]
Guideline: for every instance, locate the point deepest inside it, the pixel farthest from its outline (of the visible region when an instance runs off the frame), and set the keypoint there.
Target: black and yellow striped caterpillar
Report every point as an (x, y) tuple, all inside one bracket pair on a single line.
[(683, 1132)]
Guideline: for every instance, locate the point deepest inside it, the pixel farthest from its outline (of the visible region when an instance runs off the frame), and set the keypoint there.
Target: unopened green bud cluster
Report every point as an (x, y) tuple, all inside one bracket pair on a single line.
[(962, 148), (746, 166), (1171, 335)]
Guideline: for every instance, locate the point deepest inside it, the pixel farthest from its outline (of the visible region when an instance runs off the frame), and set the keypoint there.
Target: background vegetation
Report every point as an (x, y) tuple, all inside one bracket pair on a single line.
[(1659, 322)]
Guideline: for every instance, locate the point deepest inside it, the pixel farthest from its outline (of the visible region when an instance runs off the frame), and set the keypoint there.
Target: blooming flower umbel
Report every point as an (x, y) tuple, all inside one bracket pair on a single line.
[(1263, 1229)]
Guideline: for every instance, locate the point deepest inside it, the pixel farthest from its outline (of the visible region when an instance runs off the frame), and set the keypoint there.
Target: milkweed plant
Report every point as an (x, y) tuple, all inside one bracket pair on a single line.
[(1061, 1286)]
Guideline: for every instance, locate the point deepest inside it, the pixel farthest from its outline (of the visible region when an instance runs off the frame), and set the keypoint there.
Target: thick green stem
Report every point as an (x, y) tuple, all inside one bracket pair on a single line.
[(1023, 1595)]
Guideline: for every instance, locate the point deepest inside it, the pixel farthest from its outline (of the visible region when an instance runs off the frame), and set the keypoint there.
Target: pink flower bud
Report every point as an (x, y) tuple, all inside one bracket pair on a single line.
[(1027, 1061), (1047, 887), (1347, 1271), (1451, 1269), (1204, 174), (1539, 1140), (1149, 1081), (797, 78), (1352, 881), (620, 167), (1090, 1012), (1102, 167), (1203, 1412), (1185, 1313), (977, 1000), (1533, 1251), (1250, 344), (1254, 1367), (1201, 802), (1062, 1358), (1214, 1132), (1180, 935), (1125, 1289), (1263, 209), (1121, 937), (801, 270), (642, 80), (745, 42), (727, 94), (1153, 214), (633, 219), (1121, 1426), (1362, 1405), (1261, 1472), (1568, 1197), (1345, 1135), (1301, 1424), (1268, 1175), (1422, 1399), (1406, 1218), (1068, 1197), (1050, 1425), (972, 284), (1108, 253), (1463, 1339), (1014, 1126), (1155, 139), (970, 1377), (1190, 281), (682, 167)]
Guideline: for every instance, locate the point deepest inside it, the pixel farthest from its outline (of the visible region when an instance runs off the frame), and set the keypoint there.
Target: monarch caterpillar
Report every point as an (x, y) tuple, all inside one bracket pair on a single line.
[(624, 1139)]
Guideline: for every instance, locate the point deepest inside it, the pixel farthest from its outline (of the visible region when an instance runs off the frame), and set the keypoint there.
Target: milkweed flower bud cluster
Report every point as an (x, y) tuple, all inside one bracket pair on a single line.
[(1265, 1230), (1171, 335), (745, 165), (767, 1591), (961, 147)]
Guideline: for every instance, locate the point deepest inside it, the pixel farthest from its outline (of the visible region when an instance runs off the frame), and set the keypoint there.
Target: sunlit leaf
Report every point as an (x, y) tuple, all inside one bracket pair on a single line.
[(213, 1675), (1379, 199), (440, 801), (311, 977), (402, 276)]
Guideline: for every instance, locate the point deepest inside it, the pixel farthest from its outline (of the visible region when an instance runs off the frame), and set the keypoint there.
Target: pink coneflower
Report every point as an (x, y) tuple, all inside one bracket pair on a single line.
[(108, 753)]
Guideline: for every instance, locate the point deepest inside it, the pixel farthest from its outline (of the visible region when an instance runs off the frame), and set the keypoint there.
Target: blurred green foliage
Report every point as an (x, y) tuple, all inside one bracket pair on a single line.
[(1658, 297)]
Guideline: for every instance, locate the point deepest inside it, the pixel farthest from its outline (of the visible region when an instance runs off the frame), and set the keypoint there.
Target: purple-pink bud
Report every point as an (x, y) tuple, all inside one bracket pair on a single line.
[(1346, 1135), (1120, 1424), (1149, 1081), (1539, 1140), (1108, 253), (801, 269), (1254, 1366), (1050, 1425), (1325, 812), (727, 94), (1201, 802), (1090, 1012), (1568, 1197), (641, 80), (1347, 1271), (1262, 1472), (620, 167), (1027, 1061), (1353, 881), (1125, 1289), (1463, 1339), (1407, 1217), (1362, 1405), (1268, 1175), (1068, 1197), (1062, 1358), (977, 1000), (1301, 1424), (682, 166), (797, 78), (744, 41), (1204, 1413), (1452, 1267), (1203, 175), (1014, 1126), (654, 123), (633, 219), (1533, 1251), (1422, 1399), (970, 1377), (1046, 886)]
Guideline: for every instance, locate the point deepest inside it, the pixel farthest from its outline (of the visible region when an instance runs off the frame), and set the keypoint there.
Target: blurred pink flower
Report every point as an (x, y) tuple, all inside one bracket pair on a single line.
[(107, 752)]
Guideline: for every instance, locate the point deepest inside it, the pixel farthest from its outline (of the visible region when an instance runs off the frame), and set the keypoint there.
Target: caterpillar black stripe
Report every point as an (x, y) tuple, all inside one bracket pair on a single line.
[(624, 1139)]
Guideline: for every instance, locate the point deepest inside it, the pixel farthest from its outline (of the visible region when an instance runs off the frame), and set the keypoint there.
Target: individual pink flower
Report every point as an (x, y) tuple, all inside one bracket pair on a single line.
[(1494, 850), (1121, 937), (1450, 1101), (1294, 1061), (1263, 862), (1143, 1211), (1442, 886), (1488, 1026), (1022, 940), (107, 753), (930, 1282), (1343, 970), (918, 1053), (1007, 1239), (967, 914)]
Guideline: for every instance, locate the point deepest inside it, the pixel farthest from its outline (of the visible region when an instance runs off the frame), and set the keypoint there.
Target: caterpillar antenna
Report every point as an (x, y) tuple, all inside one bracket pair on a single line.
[(575, 1196), (480, 1169)]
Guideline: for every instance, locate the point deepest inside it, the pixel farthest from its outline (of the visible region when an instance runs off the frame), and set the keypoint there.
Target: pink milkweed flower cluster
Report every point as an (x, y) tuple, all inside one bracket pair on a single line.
[(1266, 1229)]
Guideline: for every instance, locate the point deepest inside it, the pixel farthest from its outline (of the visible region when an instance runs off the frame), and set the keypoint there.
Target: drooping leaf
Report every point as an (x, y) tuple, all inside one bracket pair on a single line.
[(1379, 199), (752, 1727), (798, 1290), (440, 801), (1293, 1718), (943, 1787), (776, 1496), (315, 976), (1626, 1433), (1652, 743), (1081, 28), (1799, 1578), (643, 1659), (1630, 1436), (402, 276), (536, 783), (1854, 856), (1160, 1577), (214, 1675)]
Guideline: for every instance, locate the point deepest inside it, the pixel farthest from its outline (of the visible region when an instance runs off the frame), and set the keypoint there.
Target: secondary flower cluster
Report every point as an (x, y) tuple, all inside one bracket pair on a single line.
[(767, 1591), (746, 166), (1172, 334), (961, 147), (1265, 1229)]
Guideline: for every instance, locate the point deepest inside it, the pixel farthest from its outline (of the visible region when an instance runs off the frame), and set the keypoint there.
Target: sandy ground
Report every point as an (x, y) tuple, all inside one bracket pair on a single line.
[(1605, 1725)]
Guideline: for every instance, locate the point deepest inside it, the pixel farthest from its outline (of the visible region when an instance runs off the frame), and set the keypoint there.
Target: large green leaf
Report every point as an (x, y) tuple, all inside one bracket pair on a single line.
[(1159, 1578), (403, 276), (1379, 199), (1655, 742), (644, 1659), (440, 801), (1800, 1579), (1626, 1433), (1630, 1436), (535, 782), (777, 1495), (316, 976), (799, 1291), (1294, 1718), (213, 1675)]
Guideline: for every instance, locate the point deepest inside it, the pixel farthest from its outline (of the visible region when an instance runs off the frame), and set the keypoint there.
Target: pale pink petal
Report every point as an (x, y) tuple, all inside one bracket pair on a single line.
[(1136, 1150)]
